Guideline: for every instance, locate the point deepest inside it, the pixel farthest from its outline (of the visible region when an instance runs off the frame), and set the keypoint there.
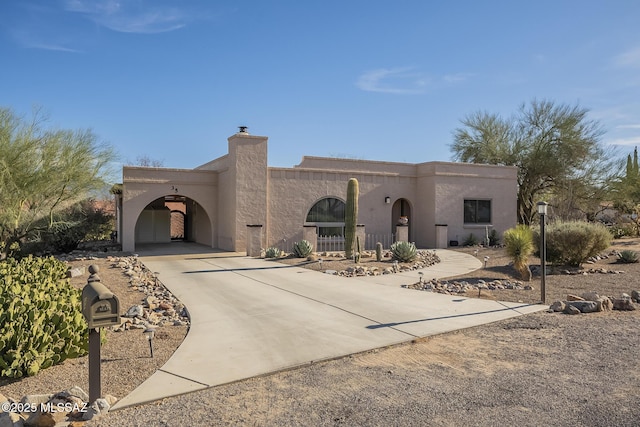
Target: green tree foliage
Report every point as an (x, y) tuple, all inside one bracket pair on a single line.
[(626, 192), (42, 172), (555, 147), (351, 217)]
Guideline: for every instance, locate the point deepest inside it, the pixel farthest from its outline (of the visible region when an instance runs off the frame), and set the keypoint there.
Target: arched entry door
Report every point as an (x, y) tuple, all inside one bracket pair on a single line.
[(401, 209), (172, 218)]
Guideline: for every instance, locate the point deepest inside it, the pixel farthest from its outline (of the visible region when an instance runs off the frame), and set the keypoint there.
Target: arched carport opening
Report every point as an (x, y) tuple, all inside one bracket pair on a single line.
[(173, 218)]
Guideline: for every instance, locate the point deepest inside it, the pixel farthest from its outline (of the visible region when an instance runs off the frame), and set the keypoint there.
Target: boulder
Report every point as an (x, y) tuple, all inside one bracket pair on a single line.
[(584, 306), (635, 296), (571, 297), (557, 306), (624, 303), (569, 309)]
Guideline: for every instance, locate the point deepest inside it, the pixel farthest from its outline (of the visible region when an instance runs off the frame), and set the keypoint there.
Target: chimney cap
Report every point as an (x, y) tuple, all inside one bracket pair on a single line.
[(243, 129)]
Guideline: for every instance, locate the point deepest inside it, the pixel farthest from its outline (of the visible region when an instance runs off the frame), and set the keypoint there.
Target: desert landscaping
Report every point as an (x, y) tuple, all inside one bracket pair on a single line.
[(540, 368)]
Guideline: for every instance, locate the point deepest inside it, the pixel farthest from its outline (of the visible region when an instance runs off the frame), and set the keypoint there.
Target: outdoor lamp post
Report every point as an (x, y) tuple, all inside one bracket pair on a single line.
[(542, 211), (149, 333)]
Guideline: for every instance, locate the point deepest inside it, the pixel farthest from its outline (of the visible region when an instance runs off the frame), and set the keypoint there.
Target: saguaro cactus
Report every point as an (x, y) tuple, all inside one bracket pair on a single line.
[(351, 217)]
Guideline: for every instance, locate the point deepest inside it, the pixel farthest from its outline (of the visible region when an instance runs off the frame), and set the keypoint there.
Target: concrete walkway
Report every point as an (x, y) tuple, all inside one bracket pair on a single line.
[(251, 317)]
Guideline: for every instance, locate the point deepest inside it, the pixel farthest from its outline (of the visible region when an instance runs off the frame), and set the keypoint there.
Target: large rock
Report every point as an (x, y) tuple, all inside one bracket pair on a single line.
[(557, 306), (635, 296), (569, 309), (624, 303), (584, 306)]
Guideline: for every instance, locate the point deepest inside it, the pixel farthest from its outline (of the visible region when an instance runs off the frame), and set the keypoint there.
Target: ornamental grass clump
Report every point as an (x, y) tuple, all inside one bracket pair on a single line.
[(518, 242), (41, 321), (302, 249), (403, 251), (573, 242)]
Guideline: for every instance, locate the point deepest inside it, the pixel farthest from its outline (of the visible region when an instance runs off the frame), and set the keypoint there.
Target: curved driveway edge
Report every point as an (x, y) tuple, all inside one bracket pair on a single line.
[(251, 317)]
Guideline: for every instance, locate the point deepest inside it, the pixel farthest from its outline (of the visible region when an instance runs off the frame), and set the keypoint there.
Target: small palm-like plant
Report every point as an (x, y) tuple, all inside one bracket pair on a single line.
[(302, 249), (404, 251), (628, 257), (519, 246)]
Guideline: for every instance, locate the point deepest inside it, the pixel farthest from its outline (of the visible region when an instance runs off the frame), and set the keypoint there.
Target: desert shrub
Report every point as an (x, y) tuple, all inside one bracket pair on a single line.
[(471, 240), (621, 230), (494, 237), (272, 253), (302, 249), (80, 222), (41, 321), (519, 246), (404, 251), (628, 256), (573, 242)]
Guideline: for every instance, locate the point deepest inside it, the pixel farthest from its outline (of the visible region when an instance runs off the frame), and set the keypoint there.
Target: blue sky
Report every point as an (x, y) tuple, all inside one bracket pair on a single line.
[(366, 79)]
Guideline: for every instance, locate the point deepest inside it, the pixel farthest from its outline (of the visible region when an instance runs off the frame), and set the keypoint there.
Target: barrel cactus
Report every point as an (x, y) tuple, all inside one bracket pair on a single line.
[(404, 251), (302, 249), (351, 217)]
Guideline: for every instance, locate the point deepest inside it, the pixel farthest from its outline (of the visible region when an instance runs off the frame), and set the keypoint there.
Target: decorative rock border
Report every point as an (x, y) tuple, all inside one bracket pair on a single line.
[(591, 302), (463, 286)]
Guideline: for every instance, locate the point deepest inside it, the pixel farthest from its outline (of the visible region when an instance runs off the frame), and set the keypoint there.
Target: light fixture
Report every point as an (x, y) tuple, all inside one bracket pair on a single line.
[(149, 333), (387, 200), (542, 210)]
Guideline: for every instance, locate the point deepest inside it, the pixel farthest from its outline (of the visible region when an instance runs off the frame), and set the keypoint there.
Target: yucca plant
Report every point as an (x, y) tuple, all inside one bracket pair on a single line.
[(519, 246), (272, 253), (404, 251), (302, 249), (628, 256)]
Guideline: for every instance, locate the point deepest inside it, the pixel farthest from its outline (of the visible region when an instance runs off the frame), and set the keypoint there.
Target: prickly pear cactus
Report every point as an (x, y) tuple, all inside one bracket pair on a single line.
[(41, 320)]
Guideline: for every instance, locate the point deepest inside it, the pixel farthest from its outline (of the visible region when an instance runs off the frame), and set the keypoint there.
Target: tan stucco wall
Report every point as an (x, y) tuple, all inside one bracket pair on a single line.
[(239, 189), (141, 186)]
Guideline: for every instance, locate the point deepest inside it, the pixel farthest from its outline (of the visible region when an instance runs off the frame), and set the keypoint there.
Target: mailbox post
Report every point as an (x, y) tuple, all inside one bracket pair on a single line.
[(100, 308)]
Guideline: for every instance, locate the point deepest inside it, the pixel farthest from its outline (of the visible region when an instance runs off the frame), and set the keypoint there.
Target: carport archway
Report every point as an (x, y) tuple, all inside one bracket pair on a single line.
[(173, 217)]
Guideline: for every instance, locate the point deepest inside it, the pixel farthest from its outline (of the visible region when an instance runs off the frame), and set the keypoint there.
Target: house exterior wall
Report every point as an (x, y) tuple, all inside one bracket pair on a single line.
[(142, 186), (239, 189)]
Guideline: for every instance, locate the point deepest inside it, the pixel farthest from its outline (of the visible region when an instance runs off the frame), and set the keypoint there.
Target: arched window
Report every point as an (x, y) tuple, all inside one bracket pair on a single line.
[(328, 215)]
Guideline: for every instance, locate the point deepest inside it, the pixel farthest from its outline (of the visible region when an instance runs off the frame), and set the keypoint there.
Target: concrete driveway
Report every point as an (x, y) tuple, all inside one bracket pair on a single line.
[(250, 317)]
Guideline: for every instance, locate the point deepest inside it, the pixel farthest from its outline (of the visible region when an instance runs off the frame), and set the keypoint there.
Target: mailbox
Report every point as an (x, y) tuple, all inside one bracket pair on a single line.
[(100, 306)]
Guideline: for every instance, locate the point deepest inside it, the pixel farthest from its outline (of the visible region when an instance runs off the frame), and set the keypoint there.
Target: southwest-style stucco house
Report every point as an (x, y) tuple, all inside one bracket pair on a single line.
[(218, 203)]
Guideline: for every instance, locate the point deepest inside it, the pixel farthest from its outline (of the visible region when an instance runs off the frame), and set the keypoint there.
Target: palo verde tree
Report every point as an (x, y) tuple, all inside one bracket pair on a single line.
[(44, 171), (555, 147)]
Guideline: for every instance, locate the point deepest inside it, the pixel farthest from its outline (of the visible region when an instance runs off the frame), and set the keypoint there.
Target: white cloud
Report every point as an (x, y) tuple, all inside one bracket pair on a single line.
[(634, 140), (404, 81), (630, 58), (127, 16)]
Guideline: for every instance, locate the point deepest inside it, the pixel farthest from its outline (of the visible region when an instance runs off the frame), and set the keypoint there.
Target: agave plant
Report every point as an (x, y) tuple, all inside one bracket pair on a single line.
[(628, 256), (272, 253), (404, 251), (302, 249)]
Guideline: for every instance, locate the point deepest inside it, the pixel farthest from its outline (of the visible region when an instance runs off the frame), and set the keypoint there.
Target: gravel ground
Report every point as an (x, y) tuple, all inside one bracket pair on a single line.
[(543, 368)]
